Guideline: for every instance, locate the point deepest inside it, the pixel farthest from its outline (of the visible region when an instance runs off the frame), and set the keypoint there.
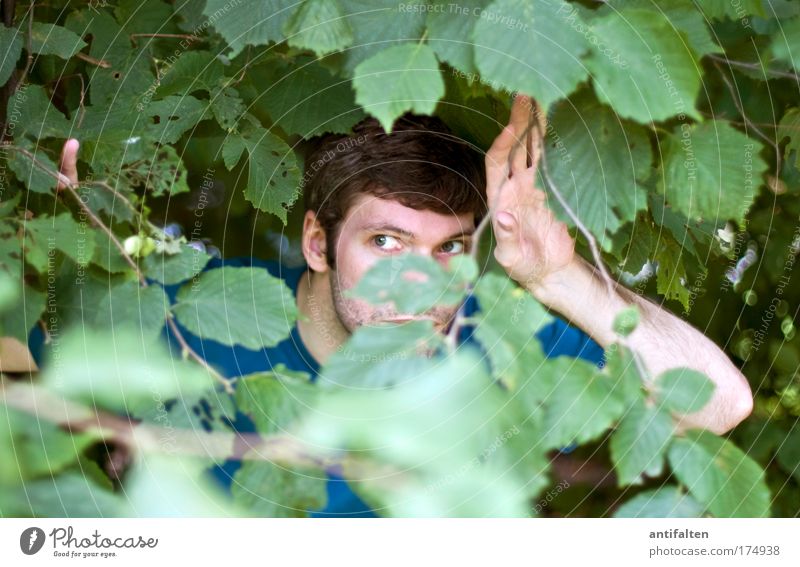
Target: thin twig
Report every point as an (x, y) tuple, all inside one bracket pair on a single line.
[(740, 107), (75, 417), (118, 195), (598, 259), (102, 63), (755, 67), (71, 189)]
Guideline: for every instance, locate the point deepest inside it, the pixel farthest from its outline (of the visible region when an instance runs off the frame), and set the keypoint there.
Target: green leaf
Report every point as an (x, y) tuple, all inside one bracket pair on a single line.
[(161, 172), (30, 111), (270, 490), (143, 311), (159, 485), (107, 255), (18, 319), (671, 275), (597, 165), (711, 170), (684, 390), (120, 372), (720, 9), (10, 253), (170, 269), (720, 476), (505, 326), (626, 321), (61, 232), (682, 14), (399, 79), (192, 71), (620, 366), (11, 48), (245, 306), (381, 356), (31, 173), (275, 400), (38, 446), (227, 107), (658, 75), (319, 25), (143, 16), (173, 116), (452, 418), (49, 39), (531, 46), (639, 443), (413, 283), (450, 29), (70, 495), (128, 76), (273, 176), (249, 22), (666, 502), (304, 98), (580, 404), (785, 44), (368, 19), (232, 150)]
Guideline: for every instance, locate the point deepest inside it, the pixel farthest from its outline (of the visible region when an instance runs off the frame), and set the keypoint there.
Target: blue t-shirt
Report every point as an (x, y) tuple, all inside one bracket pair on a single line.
[(558, 338)]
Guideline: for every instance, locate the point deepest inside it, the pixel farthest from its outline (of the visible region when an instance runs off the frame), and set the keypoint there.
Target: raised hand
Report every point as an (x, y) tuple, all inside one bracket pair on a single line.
[(531, 244)]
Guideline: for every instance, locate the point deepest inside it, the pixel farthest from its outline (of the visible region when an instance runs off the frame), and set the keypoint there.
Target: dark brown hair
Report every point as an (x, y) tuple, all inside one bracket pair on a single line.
[(421, 165)]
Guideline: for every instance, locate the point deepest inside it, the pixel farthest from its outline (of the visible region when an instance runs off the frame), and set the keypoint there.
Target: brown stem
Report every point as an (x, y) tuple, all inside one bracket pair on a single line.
[(102, 63), (146, 437), (755, 67)]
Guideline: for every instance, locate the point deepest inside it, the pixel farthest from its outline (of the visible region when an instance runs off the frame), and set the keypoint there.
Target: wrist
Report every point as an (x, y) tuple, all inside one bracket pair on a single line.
[(561, 287)]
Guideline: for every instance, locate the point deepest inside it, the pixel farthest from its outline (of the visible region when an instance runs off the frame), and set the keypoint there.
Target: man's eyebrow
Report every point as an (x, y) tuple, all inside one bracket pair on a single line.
[(387, 227)]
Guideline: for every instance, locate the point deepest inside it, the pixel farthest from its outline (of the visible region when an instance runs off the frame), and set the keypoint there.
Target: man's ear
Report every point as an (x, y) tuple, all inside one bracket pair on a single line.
[(314, 243)]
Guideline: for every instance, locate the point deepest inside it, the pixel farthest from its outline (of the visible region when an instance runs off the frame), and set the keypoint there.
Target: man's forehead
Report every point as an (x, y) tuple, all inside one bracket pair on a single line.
[(369, 212)]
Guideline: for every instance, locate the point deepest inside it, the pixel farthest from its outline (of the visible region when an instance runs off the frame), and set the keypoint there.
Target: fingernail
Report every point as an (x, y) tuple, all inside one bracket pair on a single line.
[(505, 220)]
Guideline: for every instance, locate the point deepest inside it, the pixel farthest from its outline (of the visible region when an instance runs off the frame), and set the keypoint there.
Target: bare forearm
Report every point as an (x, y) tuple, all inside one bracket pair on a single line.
[(662, 340)]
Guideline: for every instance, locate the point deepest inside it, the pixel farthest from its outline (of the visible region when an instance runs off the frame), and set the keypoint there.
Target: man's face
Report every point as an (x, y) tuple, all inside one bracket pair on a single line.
[(377, 228)]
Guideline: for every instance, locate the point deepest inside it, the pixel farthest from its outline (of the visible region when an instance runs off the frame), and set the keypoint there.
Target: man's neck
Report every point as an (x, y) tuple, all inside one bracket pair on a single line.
[(319, 326)]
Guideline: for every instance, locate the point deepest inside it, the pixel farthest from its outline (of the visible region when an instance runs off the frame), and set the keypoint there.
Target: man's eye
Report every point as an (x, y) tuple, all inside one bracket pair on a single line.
[(453, 247), (386, 242)]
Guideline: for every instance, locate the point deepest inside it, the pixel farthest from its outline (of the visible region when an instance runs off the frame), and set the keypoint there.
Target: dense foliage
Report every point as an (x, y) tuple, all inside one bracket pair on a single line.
[(672, 139)]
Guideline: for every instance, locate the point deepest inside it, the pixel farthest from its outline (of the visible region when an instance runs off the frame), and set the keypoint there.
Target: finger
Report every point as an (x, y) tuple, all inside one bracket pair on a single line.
[(520, 116), (69, 163), (497, 159), (504, 225)]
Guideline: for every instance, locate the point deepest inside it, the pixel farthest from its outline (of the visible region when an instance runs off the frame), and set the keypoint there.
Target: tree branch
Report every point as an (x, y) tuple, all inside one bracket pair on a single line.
[(97, 221)]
